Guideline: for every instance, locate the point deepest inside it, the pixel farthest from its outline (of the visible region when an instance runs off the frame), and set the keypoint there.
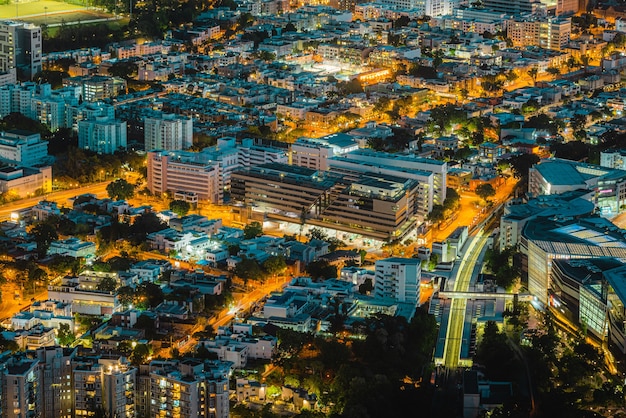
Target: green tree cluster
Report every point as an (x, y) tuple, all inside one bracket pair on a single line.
[(502, 264)]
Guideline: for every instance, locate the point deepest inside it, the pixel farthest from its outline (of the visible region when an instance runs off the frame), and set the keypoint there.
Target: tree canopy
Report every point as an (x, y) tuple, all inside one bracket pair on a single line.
[(120, 190)]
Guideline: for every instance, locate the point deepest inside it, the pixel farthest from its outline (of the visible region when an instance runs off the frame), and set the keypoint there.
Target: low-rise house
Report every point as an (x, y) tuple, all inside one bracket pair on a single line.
[(73, 247)]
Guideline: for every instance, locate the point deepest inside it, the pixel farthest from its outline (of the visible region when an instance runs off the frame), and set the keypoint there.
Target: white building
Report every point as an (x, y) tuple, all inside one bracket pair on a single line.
[(102, 135), (398, 279), (23, 148), (168, 132)]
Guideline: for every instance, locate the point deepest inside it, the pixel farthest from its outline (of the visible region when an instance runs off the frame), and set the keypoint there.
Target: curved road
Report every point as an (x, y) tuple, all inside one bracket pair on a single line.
[(454, 334)]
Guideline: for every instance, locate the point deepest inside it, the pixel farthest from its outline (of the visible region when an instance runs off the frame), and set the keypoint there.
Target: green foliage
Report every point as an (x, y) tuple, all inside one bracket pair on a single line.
[(423, 71), (249, 269), (453, 199), (366, 287), (65, 335), (180, 207), (496, 355), (275, 265), (485, 191), (252, 230), (120, 190), (44, 234), (502, 266), (522, 163), (321, 270), (123, 69), (437, 214), (140, 354), (107, 284), (146, 323), (83, 36)]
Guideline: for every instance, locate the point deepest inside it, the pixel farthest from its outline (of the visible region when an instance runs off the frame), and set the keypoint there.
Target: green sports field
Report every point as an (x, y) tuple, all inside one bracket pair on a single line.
[(36, 8)]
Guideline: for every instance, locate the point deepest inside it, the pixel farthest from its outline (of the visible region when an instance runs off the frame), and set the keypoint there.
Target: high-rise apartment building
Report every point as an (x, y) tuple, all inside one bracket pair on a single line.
[(102, 135), (398, 279), (21, 389), (20, 49), (189, 388), (168, 132)]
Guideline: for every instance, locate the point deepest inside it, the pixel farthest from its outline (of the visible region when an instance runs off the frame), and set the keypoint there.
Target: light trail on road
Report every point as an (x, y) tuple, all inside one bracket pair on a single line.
[(454, 334)]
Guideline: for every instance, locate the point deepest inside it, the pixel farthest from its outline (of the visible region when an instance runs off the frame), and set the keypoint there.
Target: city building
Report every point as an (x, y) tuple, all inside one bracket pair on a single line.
[(208, 173), (189, 389), (182, 171), (84, 300), (519, 7), (21, 389), (555, 176), (102, 135), (96, 88), (516, 212), (25, 181), (23, 148), (545, 32), (105, 381), (579, 291), (20, 49), (376, 205), (165, 131), (398, 279), (545, 239), (73, 247)]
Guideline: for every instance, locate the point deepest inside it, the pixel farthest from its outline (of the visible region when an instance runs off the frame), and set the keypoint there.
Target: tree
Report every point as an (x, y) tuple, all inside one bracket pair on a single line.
[(522, 163), (553, 71), (485, 191), (252, 230), (140, 354), (533, 73), (180, 207), (275, 265), (123, 69), (44, 234), (321, 269), (120, 190), (107, 284), (437, 214), (65, 335), (452, 199), (249, 269)]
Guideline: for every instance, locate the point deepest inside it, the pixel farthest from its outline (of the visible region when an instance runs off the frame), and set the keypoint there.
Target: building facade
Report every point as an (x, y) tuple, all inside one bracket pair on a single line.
[(102, 135)]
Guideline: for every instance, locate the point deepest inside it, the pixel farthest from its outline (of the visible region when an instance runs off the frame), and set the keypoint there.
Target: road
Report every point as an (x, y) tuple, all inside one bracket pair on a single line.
[(454, 334), (60, 197)]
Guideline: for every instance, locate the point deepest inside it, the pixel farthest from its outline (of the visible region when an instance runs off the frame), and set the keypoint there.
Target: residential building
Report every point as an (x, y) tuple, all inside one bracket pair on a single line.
[(84, 301), (398, 279), (73, 247), (102, 135), (166, 131), (23, 148), (106, 381), (184, 172), (22, 392), (545, 32), (613, 159), (189, 389), (96, 88), (20, 49)]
